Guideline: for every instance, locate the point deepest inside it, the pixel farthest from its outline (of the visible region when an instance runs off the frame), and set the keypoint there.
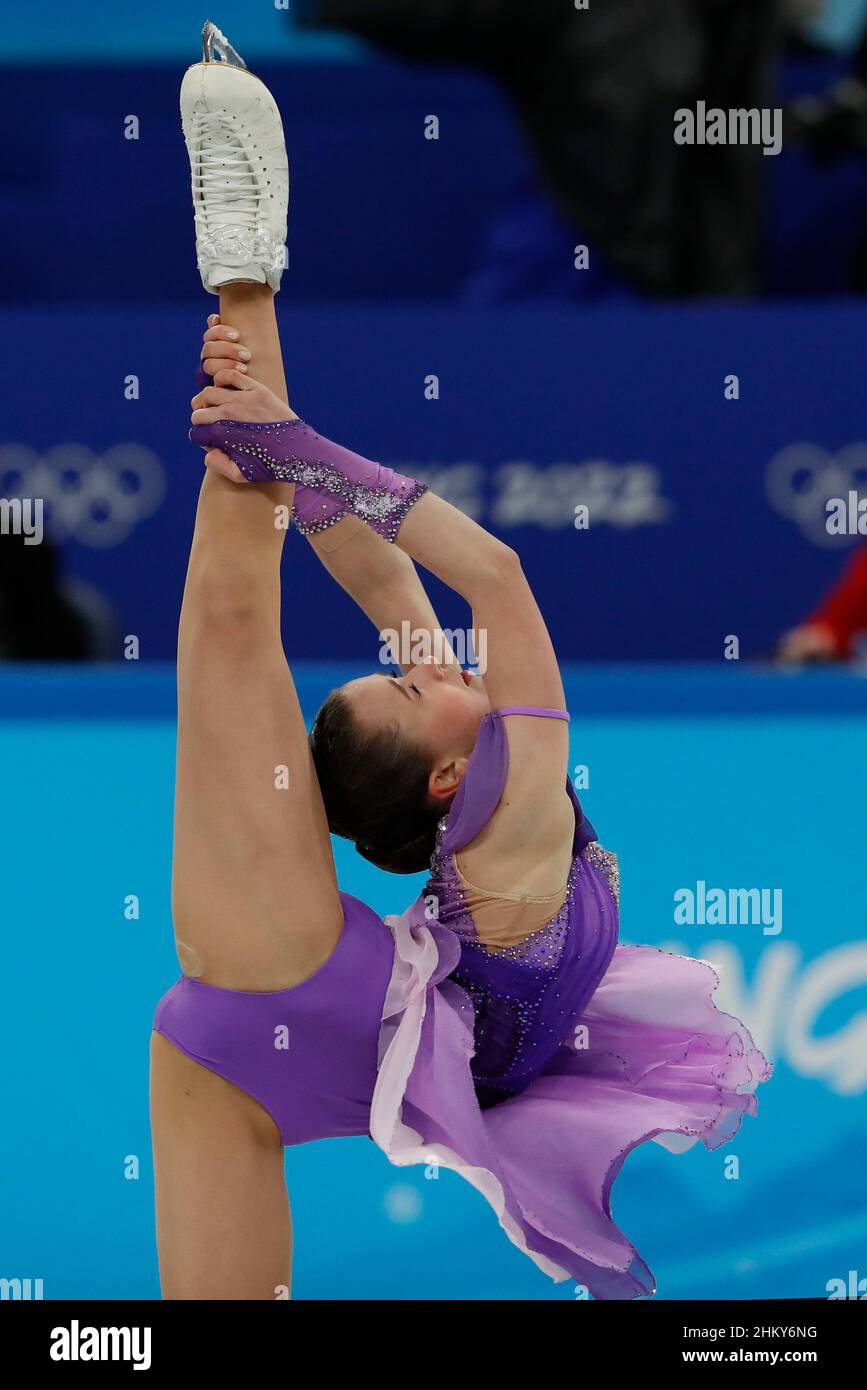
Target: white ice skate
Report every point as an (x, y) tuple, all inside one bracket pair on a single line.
[(240, 174)]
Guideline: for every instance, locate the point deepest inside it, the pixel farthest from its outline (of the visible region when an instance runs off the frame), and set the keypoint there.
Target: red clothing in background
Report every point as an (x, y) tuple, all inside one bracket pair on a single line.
[(844, 610)]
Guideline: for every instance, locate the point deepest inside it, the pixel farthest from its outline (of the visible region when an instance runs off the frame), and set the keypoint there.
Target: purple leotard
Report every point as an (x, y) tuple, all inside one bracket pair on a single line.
[(307, 1054), (526, 998), (411, 1032)]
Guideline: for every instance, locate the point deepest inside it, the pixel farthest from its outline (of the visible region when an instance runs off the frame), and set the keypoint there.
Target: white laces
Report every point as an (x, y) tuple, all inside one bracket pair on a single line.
[(223, 176)]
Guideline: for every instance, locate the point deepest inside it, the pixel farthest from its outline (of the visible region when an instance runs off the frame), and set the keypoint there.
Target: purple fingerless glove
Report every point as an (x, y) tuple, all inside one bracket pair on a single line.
[(330, 481)]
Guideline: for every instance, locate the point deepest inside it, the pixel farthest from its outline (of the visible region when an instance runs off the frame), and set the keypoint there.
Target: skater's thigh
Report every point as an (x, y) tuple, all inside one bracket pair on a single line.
[(223, 1221)]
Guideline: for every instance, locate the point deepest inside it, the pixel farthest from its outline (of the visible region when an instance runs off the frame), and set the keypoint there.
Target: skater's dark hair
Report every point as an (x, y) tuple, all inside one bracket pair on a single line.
[(375, 788)]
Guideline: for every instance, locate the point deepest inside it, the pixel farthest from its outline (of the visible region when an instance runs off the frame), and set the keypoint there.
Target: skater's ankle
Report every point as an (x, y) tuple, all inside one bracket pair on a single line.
[(243, 292)]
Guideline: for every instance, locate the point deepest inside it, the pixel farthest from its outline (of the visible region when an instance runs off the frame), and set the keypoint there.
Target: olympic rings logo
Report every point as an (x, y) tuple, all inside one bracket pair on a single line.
[(802, 478), (96, 500)]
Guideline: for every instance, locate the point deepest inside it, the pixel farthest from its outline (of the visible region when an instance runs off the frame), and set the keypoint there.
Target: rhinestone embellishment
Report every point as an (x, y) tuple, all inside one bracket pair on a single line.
[(606, 862), (377, 504), (239, 246)]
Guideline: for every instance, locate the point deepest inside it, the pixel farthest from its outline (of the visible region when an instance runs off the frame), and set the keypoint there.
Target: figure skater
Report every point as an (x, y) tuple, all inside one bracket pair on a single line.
[(498, 1030)]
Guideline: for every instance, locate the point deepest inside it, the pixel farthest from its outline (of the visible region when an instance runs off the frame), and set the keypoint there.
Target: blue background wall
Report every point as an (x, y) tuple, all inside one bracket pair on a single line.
[(409, 257), (677, 556), (729, 777)]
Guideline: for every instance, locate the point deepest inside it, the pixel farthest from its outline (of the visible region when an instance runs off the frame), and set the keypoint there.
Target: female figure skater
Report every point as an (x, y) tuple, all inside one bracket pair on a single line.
[(496, 1030)]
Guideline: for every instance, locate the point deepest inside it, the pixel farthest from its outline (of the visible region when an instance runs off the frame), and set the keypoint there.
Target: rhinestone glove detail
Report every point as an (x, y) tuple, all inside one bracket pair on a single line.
[(331, 482)]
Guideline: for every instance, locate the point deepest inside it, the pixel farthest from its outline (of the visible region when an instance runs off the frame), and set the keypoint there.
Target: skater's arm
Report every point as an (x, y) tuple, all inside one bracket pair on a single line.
[(521, 668), (535, 817), (382, 581), (380, 578)]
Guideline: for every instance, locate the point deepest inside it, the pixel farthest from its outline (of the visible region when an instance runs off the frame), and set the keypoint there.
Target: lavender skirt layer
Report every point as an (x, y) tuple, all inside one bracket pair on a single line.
[(380, 1041), (661, 1062)]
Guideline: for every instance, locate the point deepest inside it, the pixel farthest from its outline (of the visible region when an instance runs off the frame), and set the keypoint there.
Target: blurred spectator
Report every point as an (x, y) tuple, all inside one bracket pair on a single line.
[(798, 13), (835, 123), (596, 90), (828, 634), (44, 617)]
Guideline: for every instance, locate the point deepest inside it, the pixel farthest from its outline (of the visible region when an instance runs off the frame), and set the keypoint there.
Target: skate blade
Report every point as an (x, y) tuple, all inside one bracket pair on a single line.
[(215, 42)]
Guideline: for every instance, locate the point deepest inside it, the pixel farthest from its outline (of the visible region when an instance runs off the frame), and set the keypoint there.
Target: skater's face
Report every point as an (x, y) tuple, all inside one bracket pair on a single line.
[(436, 706)]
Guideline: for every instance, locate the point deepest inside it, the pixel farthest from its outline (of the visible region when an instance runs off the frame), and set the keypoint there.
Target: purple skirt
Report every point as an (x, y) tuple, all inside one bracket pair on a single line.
[(379, 1041), (653, 1058)]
